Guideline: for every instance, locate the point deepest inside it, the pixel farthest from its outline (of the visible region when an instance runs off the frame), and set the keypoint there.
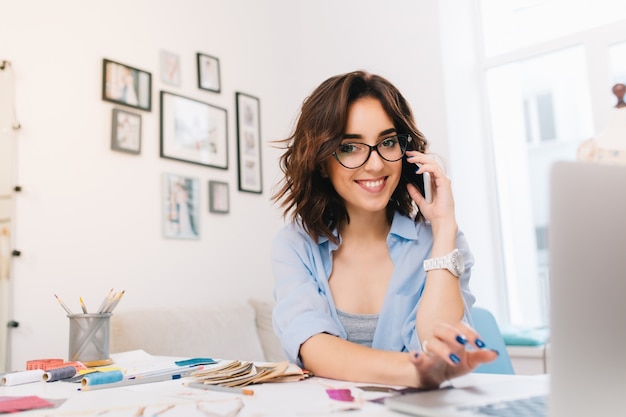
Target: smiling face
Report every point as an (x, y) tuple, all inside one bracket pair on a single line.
[(369, 187)]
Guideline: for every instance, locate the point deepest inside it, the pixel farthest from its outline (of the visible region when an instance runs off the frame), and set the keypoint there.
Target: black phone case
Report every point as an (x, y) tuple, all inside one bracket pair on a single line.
[(408, 173)]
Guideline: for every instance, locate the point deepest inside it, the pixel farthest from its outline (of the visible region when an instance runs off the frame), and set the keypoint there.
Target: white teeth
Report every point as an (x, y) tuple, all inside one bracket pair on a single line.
[(372, 184)]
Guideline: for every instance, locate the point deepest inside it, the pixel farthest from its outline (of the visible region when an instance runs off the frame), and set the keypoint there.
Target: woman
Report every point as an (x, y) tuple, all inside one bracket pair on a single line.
[(353, 299)]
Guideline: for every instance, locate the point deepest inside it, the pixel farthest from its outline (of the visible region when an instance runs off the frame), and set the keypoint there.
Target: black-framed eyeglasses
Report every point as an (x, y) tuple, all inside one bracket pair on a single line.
[(353, 155)]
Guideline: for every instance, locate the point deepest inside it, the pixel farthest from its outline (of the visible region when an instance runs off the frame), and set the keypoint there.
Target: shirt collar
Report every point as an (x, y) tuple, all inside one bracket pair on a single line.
[(401, 226)]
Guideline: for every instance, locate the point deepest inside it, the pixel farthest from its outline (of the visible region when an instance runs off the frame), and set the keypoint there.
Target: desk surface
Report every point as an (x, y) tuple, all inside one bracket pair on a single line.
[(173, 399)]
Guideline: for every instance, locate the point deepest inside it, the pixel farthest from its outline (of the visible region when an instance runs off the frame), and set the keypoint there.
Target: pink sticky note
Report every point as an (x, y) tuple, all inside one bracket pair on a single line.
[(15, 404), (340, 394)]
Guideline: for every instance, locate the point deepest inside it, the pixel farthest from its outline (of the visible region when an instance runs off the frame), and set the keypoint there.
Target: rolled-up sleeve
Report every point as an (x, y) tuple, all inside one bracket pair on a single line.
[(301, 284)]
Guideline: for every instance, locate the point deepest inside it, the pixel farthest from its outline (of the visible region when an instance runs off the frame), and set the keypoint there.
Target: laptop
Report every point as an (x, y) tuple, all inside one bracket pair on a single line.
[(587, 353)]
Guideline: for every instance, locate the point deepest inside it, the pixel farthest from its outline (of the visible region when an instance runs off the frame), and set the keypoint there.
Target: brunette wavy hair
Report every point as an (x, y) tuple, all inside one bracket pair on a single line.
[(304, 191)]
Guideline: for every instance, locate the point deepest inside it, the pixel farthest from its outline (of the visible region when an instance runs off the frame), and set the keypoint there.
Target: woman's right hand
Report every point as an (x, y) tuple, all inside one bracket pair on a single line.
[(452, 351), (441, 209)]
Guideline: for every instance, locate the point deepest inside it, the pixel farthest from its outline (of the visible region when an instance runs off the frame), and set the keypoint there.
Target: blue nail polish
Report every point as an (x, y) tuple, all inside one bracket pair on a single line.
[(461, 339), (497, 353), (480, 343), (416, 355), (455, 358)]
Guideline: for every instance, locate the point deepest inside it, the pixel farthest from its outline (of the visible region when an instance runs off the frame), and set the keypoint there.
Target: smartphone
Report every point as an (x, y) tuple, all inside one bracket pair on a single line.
[(421, 181)]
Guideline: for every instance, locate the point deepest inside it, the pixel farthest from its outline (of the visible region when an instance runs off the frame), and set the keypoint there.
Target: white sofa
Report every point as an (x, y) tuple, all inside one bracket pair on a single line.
[(237, 331)]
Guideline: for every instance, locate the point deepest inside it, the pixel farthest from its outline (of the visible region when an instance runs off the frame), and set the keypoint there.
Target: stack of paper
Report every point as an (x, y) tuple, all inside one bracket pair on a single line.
[(239, 374)]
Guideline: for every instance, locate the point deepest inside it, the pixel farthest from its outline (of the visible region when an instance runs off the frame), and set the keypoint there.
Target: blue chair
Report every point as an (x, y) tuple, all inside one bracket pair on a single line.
[(485, 324)]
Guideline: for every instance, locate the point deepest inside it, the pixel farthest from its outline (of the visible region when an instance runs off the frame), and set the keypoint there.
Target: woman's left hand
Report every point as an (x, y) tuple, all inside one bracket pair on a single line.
[(452, 351)]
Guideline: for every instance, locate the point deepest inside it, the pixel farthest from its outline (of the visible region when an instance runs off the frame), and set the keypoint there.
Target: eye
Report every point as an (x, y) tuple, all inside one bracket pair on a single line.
[(348, 148), (389, 142)]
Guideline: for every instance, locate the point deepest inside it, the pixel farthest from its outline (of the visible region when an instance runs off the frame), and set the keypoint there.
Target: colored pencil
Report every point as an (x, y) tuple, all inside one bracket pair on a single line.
[(65, 307)]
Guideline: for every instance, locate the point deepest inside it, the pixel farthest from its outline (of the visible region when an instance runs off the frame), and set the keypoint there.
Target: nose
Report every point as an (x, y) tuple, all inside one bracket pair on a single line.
[(375, 161)]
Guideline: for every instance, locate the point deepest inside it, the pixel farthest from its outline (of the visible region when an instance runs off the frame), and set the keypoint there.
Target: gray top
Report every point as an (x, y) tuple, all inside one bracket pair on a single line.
[(359, 327)]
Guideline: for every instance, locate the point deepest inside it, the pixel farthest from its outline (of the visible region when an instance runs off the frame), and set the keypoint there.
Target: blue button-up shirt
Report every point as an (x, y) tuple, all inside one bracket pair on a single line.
[(304, 302)]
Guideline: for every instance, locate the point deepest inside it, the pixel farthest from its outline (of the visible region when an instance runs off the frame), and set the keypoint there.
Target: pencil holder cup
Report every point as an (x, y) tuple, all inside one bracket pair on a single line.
[(89, 339)]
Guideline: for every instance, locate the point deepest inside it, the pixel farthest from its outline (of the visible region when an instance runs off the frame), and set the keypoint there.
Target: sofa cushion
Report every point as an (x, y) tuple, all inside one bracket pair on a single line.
[(186, 331), (270, 342)]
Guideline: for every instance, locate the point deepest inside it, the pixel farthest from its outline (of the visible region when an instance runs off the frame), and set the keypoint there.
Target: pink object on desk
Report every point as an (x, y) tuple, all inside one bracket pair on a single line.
[(15, 404), (340, 394)]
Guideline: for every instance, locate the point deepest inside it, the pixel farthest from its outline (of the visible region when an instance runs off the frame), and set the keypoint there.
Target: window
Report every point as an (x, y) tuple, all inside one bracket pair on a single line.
[(617, 63), (548, 87), (540, 111)]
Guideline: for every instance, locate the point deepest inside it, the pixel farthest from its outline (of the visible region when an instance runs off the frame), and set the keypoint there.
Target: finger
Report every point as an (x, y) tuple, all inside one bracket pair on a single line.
[(472, 337), (415, 157), (424, 157), (431, 370), (477, 357), (432, 169), (454, 335), (426, 162), (424, 362), (417, 357), (440, 349), (415, 194)]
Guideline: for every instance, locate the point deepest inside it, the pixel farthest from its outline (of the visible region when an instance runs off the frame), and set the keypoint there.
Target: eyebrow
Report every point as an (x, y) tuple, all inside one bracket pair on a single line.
[(357, 136)]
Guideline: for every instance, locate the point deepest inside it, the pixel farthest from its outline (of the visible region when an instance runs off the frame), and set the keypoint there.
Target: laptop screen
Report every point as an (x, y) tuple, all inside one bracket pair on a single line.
[(587, 238)]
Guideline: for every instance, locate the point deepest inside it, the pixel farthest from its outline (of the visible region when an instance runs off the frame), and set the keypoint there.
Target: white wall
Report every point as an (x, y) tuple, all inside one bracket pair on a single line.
[(90, 219), (470, 154)]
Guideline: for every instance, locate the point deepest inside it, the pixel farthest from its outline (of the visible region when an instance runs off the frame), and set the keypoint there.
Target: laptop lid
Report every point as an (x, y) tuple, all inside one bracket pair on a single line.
[(587, 239)]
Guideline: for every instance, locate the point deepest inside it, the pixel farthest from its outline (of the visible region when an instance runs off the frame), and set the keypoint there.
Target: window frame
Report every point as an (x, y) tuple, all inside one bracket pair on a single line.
[(471, 144)]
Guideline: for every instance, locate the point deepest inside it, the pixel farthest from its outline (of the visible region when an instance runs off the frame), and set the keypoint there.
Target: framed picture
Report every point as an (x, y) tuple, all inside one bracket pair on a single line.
[(209, 73), (181, 207), (126, 85), (126, 131), (249, 143), (218, 197), (170, 68), (193, 131)]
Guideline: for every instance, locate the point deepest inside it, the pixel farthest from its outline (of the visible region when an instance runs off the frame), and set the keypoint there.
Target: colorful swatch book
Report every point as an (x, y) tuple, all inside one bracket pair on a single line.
[(242, 373)]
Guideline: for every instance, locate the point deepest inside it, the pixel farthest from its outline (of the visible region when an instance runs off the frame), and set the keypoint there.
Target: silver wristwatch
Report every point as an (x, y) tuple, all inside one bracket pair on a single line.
[(453, 262)]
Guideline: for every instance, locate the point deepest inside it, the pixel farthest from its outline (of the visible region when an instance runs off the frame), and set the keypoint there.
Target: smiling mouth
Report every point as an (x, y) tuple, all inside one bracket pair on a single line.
[(373, 184)]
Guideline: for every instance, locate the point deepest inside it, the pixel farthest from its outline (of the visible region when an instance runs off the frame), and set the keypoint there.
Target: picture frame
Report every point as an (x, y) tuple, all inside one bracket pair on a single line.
[(193, 131), (209, 78), (249, 143), (181, 206), (126, 85), (126, 131), (170, 68), (219, 199)]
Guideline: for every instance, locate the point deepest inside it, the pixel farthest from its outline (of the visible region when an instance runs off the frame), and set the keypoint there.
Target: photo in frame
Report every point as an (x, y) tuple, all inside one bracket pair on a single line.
[(123, 84), (170, 68), (249, 143), (126, 131), (193, 131), (219, 201), (209, 73), (181, 206)]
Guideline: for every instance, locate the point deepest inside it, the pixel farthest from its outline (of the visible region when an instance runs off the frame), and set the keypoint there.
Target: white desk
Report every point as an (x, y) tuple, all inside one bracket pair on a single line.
[(303, 398)]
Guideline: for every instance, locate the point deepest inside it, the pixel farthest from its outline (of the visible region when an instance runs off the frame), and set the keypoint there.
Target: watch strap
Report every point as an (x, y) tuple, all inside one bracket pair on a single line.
[(448, 262)]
